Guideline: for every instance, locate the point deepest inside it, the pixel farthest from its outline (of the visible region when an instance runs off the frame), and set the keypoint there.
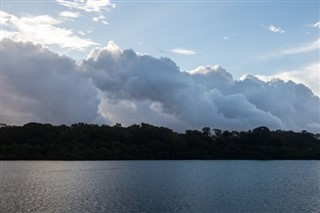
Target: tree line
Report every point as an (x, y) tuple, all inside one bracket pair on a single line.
[(81, 141)]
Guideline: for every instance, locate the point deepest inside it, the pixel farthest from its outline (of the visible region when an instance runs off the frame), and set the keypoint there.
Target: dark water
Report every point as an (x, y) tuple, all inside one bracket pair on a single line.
[(160, 186)]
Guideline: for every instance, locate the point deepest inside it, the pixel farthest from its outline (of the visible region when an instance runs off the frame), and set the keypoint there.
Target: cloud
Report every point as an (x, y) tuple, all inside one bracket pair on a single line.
[(88, 5), (39, 85), (304, 48), (100, 18), (272, 28), (301, 49), (183, 51), (41, 29), (205, 96), (308, 75), (294, 104), (228, 37), (212, 77), (116, 85), (81, 33), (316, 25), (69, 14)]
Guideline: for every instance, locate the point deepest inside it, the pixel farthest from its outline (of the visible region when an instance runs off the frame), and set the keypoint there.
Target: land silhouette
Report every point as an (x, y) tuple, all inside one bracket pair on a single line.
[(81, 141)]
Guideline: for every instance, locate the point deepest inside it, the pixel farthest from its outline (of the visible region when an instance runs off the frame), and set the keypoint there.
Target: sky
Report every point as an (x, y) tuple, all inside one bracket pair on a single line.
[(182, 64)]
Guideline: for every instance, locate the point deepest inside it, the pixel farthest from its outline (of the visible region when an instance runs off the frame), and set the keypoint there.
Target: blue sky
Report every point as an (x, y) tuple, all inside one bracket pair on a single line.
[(233, 34), (240, 64)]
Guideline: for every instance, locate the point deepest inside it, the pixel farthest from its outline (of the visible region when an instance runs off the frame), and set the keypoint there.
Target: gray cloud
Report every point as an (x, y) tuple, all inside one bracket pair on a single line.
[(294, 104), (133, 88), (41, 86), (207, 95), (212, 77)]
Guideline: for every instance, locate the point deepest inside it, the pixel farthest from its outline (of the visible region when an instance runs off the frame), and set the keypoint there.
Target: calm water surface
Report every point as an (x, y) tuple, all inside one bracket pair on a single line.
[(160, 186)]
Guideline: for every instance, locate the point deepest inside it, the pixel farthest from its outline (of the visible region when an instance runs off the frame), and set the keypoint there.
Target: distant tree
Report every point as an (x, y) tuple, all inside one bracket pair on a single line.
[(261, 130), (206, 131), (3, 125), (235, 134), (217, 132), (118, 125)]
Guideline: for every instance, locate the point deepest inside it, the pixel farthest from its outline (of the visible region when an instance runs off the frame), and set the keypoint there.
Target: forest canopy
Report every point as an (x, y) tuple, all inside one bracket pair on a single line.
[(81, 141)]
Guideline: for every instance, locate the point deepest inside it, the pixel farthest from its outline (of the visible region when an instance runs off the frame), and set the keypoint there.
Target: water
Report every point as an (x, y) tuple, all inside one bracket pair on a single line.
[(160, 186)]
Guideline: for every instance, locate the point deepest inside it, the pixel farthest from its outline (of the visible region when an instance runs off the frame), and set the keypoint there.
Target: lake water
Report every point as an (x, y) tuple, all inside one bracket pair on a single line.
[(160, 186)]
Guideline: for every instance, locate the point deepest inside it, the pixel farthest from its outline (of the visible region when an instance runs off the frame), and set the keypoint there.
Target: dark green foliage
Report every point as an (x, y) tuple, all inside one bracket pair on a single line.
[(82, 141)]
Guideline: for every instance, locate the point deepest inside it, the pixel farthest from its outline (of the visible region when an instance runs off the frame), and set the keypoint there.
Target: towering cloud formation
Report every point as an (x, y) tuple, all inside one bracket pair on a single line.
[(133, 88)]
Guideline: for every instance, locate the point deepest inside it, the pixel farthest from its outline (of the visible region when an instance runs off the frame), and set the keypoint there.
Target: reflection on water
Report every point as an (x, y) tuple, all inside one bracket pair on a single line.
[(160, 186)]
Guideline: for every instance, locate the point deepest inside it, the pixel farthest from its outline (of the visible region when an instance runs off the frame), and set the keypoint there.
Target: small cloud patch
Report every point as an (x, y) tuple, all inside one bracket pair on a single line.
[(183, 51), (272, 28)]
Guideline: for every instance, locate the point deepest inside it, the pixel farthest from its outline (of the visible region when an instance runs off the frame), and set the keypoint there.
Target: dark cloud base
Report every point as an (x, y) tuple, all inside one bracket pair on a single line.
[(114, 85)]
